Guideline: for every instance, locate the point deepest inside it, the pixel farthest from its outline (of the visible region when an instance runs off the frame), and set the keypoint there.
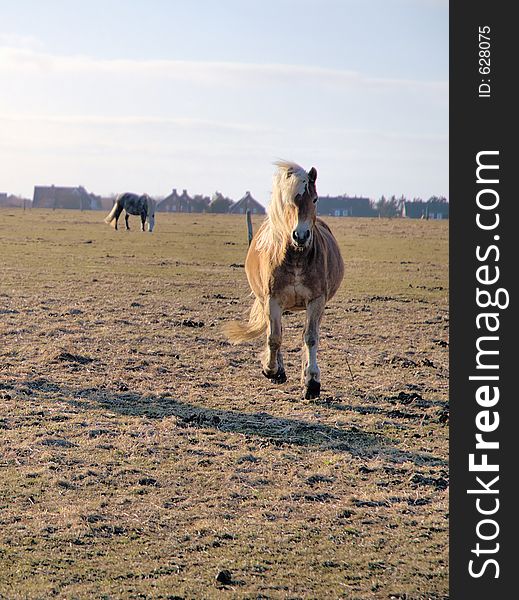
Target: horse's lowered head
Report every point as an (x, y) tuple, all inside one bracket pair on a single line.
[(296, 193), (150, 217)]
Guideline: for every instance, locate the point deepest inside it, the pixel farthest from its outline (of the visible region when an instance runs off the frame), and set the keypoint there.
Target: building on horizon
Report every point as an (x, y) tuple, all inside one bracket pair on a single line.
[(65, 197), (247, 203), (13, 201), (345, 206), (176, 202), (434, 208)]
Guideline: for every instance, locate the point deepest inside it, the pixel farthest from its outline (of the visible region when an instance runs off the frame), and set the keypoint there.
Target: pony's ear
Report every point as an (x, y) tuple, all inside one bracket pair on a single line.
[(312, 174)]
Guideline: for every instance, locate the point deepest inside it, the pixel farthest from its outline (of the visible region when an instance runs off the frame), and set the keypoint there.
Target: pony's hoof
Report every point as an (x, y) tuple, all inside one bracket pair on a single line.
[(313, 390), (279, 377)]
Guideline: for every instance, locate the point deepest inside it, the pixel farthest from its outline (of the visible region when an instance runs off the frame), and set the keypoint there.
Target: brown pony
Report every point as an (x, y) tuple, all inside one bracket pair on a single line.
[(293, 264)]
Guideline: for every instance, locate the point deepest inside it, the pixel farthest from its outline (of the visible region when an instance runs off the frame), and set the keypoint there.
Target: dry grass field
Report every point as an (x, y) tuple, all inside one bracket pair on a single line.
[(141, 454)]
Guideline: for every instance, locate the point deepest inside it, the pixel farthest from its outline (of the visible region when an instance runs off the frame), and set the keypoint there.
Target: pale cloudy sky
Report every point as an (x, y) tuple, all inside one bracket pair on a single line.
[(147, 95)]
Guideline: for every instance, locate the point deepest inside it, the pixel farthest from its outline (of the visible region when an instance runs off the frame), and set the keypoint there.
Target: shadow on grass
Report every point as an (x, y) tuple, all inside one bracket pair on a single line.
[(276, 430)]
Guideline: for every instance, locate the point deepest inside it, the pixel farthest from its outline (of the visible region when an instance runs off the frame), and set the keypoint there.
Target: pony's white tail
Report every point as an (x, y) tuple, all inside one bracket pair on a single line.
[(240, 332), (110, 217)]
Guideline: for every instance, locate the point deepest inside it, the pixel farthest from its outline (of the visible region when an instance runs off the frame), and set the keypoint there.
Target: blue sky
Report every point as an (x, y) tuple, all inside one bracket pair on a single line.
[(147, 96)]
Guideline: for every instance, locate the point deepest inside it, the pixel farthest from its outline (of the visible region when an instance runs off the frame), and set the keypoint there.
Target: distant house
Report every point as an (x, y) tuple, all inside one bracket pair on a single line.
[(65, 197), (175, 202), (432, 209), (12, 201), (247, 203), (169, 203), (344, 206)]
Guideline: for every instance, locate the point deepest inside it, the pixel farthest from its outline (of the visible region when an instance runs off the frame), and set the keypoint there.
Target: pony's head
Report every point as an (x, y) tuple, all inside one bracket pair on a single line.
[(293, 206), (150, 213)]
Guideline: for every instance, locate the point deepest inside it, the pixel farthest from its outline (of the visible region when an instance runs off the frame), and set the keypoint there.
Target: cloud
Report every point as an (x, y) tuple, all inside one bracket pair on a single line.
[(200, 72), (111, 123), (187, 123), (15, 40)]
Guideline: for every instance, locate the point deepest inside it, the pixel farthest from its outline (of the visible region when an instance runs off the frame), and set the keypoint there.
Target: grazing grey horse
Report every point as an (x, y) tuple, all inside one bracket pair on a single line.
[(133, 204)]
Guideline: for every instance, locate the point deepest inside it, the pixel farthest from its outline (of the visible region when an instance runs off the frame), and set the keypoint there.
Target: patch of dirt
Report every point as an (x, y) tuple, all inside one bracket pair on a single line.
[(143, 456)]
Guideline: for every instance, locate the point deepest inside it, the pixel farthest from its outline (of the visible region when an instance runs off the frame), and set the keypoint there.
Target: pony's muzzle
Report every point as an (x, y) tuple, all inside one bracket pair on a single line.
[(301, 237)]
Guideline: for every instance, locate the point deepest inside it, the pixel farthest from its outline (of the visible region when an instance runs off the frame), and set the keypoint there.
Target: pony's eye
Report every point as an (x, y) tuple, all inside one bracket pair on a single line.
[(315, 199)]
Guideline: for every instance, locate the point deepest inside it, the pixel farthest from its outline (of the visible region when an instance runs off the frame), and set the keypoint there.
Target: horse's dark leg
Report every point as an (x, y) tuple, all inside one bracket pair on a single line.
[(311, 374), (117, 215), (273, 363), (126, 217), (143, 220)]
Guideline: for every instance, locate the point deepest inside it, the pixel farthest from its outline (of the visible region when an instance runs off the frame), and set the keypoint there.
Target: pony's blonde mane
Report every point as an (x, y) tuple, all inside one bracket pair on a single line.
[(290, 180)]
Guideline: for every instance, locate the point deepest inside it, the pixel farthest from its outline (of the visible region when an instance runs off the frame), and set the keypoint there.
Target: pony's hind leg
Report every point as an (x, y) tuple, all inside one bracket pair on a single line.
[(311, 374), (117, 215), (126, 217), (273, 361)]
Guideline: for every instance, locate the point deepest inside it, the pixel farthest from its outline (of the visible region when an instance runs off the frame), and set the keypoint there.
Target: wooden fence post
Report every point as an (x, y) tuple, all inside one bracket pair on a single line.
[(249, 226)]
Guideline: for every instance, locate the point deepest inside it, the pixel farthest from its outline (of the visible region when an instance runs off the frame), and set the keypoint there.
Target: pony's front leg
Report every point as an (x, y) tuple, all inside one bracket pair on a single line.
[(311, 374), (143, 221), (126, 217), (273, 367)]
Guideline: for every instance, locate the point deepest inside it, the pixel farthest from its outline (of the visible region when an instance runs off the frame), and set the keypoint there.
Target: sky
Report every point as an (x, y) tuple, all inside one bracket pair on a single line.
[(151, 95)]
